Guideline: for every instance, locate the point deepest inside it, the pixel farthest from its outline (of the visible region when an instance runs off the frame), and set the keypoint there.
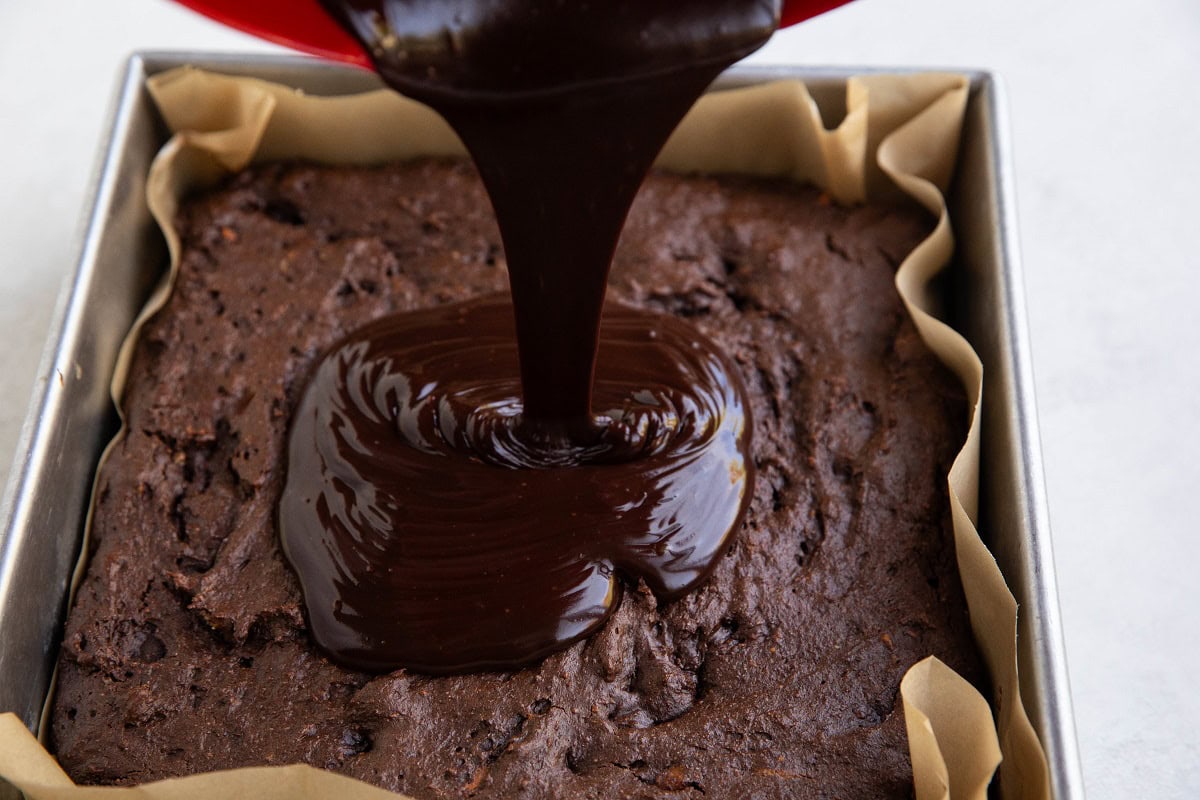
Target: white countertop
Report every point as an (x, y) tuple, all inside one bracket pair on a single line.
[(1106, 119)]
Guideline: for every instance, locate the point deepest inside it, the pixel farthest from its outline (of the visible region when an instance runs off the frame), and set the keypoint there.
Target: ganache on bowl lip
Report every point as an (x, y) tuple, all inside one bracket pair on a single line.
[(120, 254)]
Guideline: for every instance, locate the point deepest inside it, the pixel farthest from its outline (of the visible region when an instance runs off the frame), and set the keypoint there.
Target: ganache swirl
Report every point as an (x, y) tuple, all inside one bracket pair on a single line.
[(429, 532)]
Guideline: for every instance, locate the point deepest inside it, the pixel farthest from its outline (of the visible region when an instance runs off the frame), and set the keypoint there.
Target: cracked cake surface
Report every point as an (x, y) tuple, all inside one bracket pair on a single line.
[(186, 648)]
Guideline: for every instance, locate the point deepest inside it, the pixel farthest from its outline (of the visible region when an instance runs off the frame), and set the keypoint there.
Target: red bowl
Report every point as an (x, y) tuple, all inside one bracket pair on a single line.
[(304, 25)]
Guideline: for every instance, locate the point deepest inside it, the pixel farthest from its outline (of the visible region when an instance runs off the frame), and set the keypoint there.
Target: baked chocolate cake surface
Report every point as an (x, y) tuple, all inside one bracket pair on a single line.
[(186, 648)]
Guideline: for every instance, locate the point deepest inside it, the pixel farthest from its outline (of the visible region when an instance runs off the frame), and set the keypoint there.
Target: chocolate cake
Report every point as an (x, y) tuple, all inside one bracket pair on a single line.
[(187, 650)]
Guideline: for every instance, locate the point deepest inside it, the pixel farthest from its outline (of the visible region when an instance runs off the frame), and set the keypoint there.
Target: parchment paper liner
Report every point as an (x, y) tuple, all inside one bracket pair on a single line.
[(900, 134)]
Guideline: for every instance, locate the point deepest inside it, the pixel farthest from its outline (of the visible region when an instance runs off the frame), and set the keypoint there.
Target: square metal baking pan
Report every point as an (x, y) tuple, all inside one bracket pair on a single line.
[(45, 504)]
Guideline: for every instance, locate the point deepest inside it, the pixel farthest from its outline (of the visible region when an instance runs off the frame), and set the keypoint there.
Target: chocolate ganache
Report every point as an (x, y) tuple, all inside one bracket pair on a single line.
[(464, 484)]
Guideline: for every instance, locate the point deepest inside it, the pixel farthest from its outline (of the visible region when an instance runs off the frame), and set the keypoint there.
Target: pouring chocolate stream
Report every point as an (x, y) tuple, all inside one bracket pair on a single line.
[(464, 484)]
